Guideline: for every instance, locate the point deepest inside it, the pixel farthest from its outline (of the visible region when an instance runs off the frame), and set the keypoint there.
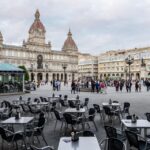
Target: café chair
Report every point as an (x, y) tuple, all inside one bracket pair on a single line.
[(112, 132), (112, 144), (11, 137), (37, 129), (86, 133), (98, 110), (137, 141), (58, 118), (90, 117), (32, 147)]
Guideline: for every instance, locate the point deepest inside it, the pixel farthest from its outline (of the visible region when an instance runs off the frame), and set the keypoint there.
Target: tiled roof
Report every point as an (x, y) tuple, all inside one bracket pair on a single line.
[(69, 44), (37, 24)]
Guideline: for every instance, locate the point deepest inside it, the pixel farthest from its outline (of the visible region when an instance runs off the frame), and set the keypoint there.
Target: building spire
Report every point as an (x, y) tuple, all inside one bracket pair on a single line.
[(37, 15), (69, 33)]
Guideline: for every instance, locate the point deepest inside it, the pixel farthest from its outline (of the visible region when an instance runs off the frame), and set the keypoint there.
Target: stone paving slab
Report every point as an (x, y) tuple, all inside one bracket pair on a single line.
[(140, 103)]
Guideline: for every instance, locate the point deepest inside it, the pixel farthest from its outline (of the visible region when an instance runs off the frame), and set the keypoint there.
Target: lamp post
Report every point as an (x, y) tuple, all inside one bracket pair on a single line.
[(64, 66), (126, 70), (73, 74), (129, 60)]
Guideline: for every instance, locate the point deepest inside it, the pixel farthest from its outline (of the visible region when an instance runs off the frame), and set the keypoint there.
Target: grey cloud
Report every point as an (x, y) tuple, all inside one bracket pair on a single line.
[(97, 25)]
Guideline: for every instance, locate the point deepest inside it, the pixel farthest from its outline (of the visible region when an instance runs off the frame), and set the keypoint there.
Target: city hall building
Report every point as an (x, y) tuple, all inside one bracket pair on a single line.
[(41, 61)]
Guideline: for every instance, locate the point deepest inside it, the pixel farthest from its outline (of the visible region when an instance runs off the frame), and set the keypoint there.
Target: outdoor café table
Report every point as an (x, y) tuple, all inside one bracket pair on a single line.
[(53, 97), (40, 105), (84, 143), (72, 99), (141, 123), (74, 110), (21, 121), (112, 104)]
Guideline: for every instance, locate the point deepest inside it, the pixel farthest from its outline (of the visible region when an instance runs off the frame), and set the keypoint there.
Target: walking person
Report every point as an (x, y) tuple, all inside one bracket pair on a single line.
[(130, 85), (140, 85), (117, 86), (93, 86), (127, 86), (97, 86), (121, 85), (136, 86), (73, 87)]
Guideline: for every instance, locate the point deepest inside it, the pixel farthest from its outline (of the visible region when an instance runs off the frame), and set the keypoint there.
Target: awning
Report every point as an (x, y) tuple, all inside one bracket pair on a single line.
[(4, 67)]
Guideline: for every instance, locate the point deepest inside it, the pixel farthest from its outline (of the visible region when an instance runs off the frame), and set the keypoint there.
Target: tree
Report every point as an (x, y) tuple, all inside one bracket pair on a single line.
[(26, 74)]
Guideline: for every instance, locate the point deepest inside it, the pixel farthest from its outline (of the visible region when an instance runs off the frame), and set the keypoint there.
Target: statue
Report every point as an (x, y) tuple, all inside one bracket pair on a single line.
[(40, 62), (142, 63)]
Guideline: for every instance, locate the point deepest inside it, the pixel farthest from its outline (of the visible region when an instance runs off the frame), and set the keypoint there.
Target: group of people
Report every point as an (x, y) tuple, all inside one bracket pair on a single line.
[(119, 84), (56, 85), (75, 87), (100, 86)]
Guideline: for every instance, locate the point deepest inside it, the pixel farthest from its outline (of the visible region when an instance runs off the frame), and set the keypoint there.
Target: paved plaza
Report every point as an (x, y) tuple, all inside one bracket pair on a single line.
[(140, 103)]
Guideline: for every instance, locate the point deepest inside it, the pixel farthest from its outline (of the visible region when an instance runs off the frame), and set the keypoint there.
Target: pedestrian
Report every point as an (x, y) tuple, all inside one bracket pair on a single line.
[(54, 85), (140, 85), (121, 85), (117, 86), (92, 86), (136, 86), (97, 86), (127, 86), (73, 87), (130, 85)]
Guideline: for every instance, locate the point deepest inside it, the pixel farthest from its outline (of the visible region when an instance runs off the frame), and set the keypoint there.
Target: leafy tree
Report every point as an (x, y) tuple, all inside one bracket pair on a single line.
[(26, 74)]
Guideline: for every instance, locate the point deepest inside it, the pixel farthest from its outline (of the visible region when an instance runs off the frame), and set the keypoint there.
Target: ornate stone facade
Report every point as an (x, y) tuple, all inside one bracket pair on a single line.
[(43, 63), (36, 55), (88, 66), (112, 64)]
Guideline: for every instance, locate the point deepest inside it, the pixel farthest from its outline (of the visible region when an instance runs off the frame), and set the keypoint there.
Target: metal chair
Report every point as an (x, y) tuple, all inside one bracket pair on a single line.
[(71, 104), (98, 110), (126, 108), (112, 144), (36, 131), (58, 118), (11, 137), (91, 117), (72, 120), (136, 141), (112, 132), (42, 148), (86, 102), (85, 133), (148, 118)]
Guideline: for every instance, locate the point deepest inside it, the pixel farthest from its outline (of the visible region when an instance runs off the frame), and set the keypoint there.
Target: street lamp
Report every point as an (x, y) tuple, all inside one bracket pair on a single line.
[(126, 70), (129, 60), (64, 66)]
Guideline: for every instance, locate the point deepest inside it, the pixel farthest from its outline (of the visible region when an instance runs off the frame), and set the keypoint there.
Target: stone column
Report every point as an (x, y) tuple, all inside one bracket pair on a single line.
[(35, 76), (50, 76), (30, 76), (44, 76)]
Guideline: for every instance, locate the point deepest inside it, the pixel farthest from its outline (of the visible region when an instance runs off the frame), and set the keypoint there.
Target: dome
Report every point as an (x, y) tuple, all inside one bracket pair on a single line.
[(69, 43), (37, 24)]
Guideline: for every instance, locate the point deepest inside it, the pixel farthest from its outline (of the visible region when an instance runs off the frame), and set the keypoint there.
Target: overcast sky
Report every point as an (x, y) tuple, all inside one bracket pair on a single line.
[(97, 25)]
